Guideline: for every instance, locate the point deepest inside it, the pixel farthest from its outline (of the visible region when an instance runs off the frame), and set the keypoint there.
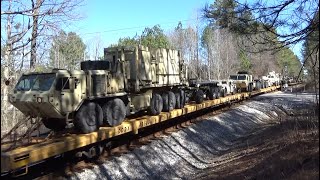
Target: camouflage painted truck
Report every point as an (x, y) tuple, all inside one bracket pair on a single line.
[(243, 81), (130, 79)]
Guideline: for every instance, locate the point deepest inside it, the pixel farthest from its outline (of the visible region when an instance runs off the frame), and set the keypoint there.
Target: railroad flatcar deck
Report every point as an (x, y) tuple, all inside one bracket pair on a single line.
[(22, 157)]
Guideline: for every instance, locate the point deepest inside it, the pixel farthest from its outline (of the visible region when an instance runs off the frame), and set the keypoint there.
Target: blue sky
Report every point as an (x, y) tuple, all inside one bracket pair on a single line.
[(111, 20)]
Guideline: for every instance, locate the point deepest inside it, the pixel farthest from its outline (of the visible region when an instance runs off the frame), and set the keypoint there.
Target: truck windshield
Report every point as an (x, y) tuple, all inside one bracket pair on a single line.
[(35, 82), (234, 77), (241, 77)]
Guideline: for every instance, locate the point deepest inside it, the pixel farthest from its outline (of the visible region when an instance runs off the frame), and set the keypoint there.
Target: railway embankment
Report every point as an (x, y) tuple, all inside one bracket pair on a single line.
[(273, 136)]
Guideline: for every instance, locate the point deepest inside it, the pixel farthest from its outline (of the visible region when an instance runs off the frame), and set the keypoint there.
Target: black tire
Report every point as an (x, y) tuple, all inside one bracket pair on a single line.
[(178, 99), (250, 87), (182, 98), (211, 95), (199, 96), (165, 102), (258, 86), (54, 124), (156, 104), (88, 118), (217, 92), (172, 101), (114, 112), (223, 92)]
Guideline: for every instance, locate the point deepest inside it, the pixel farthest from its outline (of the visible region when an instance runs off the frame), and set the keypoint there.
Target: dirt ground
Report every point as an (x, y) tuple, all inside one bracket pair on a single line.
[(287, 150)]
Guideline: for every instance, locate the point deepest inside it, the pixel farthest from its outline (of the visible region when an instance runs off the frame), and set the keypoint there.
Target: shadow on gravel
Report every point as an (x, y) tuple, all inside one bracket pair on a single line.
[(288, 150)]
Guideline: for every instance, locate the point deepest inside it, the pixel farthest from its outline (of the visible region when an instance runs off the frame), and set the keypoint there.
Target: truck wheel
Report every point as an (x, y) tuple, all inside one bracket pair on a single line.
[(114, 112), (211, 95), (156, 104), (217, 93), (199, 96), (165, 101), (172, 100), (88, 118), (54, 124), (234, 91), (178, 99), (183, 98), (250, 88), (223, 92)]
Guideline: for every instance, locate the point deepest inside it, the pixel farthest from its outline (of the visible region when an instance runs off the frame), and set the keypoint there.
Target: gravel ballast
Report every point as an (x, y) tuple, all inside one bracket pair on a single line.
[(201, 145)]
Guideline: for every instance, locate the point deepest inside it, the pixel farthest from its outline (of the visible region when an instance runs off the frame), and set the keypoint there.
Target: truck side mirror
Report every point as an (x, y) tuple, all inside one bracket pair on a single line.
[(76, 82)]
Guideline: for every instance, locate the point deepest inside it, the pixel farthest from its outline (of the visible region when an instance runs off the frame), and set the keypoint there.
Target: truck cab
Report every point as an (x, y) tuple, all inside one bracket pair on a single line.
[(51, 96), (243, 81)]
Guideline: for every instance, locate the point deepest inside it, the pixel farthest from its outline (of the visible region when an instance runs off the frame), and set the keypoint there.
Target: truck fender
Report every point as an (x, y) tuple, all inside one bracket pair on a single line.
[(79, 105)]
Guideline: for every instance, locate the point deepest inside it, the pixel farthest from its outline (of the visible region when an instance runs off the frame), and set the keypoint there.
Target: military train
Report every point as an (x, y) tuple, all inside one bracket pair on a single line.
[(103, 93)]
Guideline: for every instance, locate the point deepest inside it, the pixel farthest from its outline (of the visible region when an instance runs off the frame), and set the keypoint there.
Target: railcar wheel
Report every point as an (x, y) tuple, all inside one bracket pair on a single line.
[(199, 96), (54, 124), (114, 112), (88, 118), (156, 104)]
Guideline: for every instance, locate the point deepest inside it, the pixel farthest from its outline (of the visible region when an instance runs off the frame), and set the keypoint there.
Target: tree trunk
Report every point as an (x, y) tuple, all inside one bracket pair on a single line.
[(35, 17), (6, 74)]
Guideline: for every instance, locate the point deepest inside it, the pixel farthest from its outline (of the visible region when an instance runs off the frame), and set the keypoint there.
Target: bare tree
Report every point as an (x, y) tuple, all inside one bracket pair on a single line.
[(28, 28), (220, 63), (98, 53), (46, 16), (186, 40)]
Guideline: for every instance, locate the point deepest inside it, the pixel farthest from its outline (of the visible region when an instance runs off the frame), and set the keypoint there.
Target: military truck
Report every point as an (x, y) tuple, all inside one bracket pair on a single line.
[(274, 78), (128, 80), (198, 90), (243, 81), (227, 87)]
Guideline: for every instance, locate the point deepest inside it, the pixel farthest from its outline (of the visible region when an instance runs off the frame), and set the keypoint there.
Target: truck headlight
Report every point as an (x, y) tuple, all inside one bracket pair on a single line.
[(39, 99)]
